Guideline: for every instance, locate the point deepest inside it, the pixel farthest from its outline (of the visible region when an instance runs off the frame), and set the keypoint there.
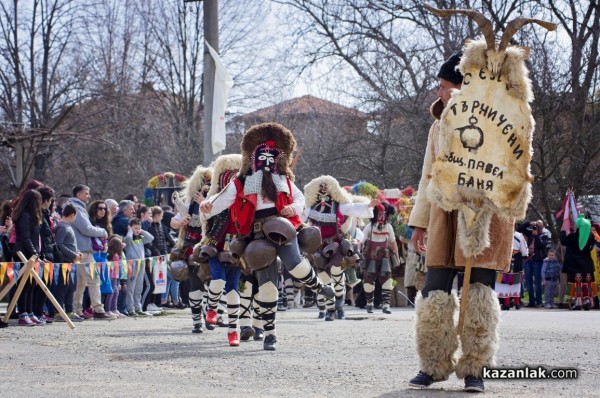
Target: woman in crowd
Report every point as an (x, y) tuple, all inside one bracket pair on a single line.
[(27, 217), (48, 253)]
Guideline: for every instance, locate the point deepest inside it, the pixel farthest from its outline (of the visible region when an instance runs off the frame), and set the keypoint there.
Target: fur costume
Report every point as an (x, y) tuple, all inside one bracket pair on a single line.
[(444, 250), (476, 168), (224, 278), (490, 157), (479, 338), (482, 164), (191, 234), (267, 148), (436, 334), (331, 209)]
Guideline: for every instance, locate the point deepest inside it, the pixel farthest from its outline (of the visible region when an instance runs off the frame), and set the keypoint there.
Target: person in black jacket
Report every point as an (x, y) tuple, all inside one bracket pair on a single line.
[(538, 242), (48, 253), (578, 264), (160, 246), (27, 218)]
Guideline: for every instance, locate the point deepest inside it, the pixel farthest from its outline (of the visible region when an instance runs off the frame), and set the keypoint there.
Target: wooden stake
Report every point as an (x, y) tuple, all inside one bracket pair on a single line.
[(464, 294), (25, 272), (23, 275)]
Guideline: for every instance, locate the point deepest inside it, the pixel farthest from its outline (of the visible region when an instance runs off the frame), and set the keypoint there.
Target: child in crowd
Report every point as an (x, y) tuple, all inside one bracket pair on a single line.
[(134, 241), (65, 240), (160, 247), (551, 269), (115, 253)]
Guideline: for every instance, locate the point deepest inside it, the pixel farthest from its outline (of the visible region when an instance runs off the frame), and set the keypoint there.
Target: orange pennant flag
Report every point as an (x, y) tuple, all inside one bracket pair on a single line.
[(46, 270), (10, 272)]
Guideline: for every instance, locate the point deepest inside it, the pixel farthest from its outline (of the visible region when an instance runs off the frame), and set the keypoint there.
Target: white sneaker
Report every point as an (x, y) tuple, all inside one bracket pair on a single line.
[(153, 308)]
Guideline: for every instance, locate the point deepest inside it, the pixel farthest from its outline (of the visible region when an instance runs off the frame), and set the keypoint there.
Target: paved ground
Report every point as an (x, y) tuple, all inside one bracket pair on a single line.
[(363, 356)]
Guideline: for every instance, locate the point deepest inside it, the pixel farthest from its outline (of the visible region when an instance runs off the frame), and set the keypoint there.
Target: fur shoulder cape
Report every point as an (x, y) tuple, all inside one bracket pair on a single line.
[(223, 163), (333, 187)]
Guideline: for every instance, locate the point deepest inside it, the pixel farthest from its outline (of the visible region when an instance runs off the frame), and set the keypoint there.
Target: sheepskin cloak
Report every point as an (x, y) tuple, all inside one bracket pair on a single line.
[(482, 168)]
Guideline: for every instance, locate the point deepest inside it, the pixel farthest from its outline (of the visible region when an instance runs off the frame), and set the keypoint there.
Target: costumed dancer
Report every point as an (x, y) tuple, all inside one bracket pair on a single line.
[(331, 209), (381, 255), (189, 223), (457, 211), (578, 264), (509, 284), (218, 233), (265, 206)]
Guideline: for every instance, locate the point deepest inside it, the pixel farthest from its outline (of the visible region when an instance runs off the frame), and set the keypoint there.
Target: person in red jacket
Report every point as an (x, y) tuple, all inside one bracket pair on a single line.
[(261, 195)]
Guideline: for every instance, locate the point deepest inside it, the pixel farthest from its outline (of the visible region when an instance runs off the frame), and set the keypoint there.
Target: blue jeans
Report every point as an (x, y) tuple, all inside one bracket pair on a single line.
[(172, 289), (231, 275), (533, 270)]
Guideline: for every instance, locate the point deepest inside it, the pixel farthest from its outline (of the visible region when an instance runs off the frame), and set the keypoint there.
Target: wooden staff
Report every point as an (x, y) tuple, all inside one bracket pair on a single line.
[(23, 275), (42, 285), (464, 295)]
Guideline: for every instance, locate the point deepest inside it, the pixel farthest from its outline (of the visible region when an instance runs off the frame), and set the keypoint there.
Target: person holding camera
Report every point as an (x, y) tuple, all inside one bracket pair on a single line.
[(533, 266)]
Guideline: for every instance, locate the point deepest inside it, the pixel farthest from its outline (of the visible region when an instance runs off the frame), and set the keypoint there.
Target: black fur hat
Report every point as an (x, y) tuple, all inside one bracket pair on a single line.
[(448, 70)]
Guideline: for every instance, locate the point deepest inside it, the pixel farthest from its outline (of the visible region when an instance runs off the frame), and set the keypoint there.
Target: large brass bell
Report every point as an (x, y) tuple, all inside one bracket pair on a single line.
[(227, 259), (179, 270), (208, 252), (309, 239), (347, 248), (279, 230), (259, 254), (330, 249), (237, 247)]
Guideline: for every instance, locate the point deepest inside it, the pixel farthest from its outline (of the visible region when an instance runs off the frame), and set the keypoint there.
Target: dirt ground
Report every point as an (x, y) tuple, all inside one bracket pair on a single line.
[(364, 356)]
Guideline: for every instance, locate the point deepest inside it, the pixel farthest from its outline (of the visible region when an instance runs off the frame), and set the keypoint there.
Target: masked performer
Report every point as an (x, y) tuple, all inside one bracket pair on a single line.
[(265, 206), (579, 265), (381, 255), (331, 209), (218, 234), (189, 223)]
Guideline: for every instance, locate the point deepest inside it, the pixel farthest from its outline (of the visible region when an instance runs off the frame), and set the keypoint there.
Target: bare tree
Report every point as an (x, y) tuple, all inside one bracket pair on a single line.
[(392, 49), (41, 75)]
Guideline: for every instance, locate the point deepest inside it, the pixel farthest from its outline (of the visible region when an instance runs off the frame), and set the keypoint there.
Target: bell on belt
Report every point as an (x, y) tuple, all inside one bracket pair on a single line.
[(227, 259), (237, 247), (309, 239), (347, 248), (259, 254), (330, 249), (179, 270), (279, 230), (208, 252)]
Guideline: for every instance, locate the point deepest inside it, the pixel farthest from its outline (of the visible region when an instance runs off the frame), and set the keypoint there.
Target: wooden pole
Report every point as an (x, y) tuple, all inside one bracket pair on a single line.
[(211, 34), (23, 275), (29, 271), (48, 294), (465, 294)]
